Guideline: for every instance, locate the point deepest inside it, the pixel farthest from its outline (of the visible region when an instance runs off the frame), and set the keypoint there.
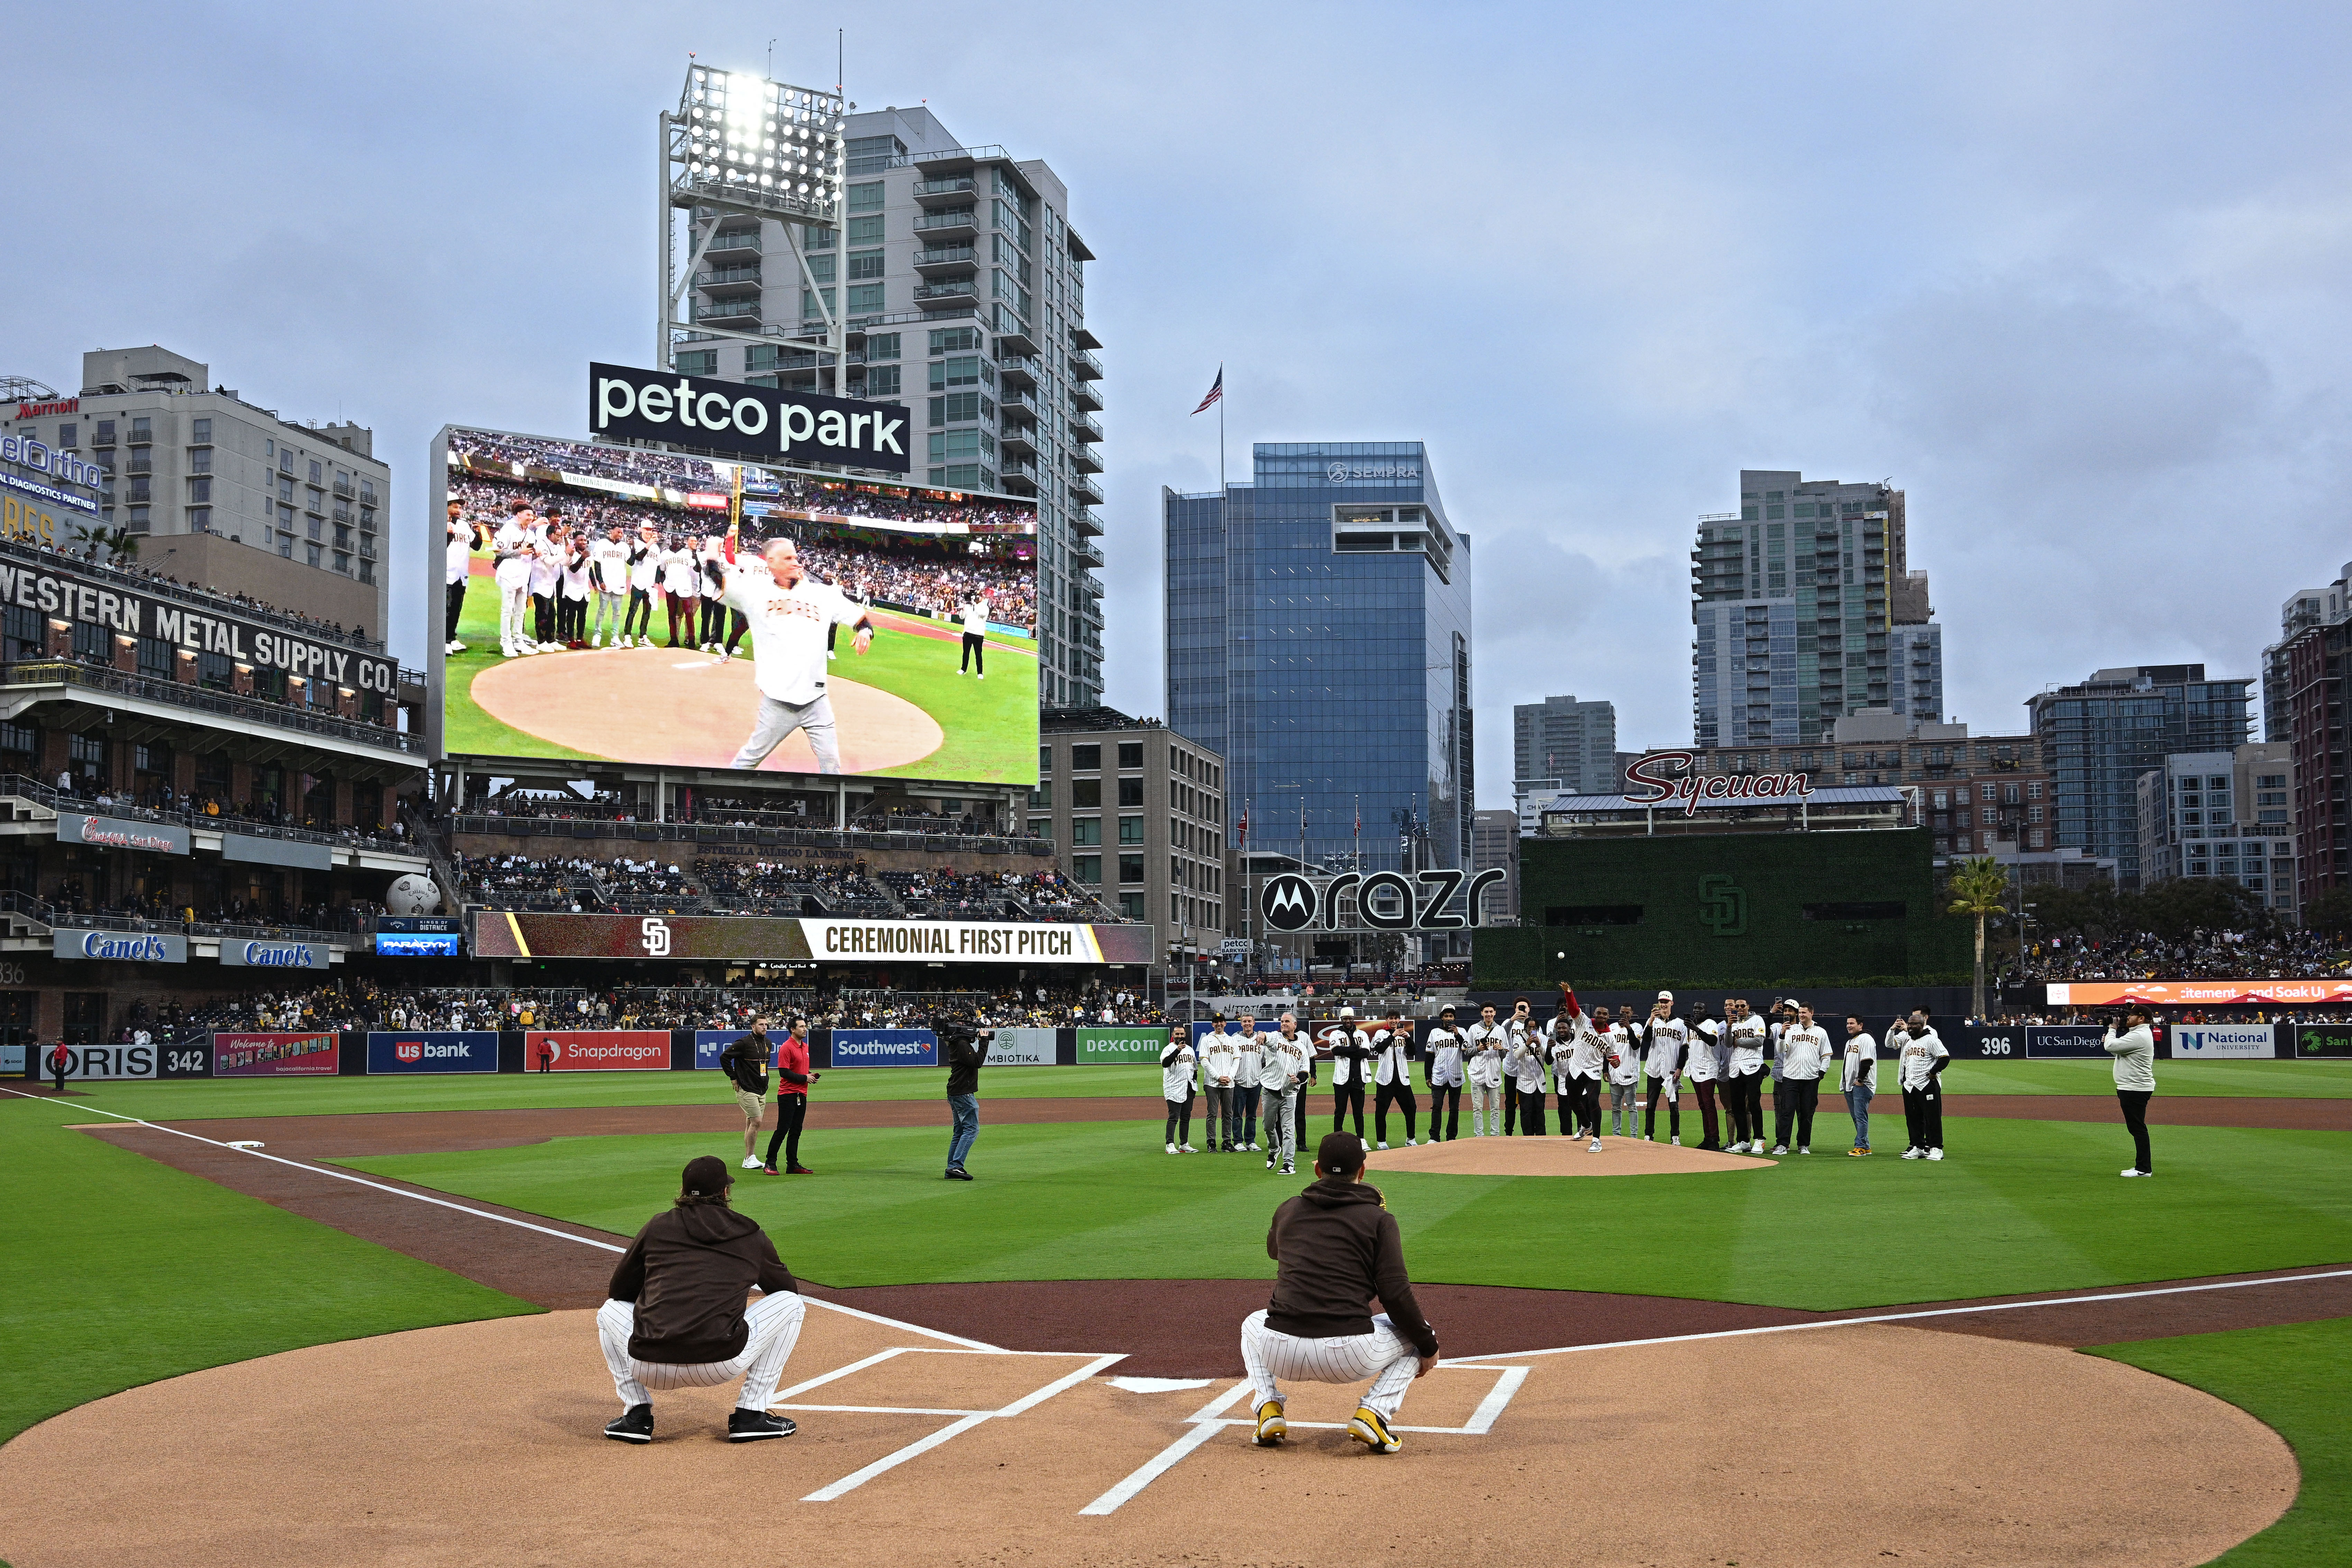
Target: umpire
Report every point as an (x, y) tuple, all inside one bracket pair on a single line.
[(1335, 1247), (967, 1053)]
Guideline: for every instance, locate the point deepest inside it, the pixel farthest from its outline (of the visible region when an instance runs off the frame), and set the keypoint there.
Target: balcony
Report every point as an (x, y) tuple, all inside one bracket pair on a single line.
[(1017, 370), (1089, 554), (81, 678), (941, 259), (1019, 404), (1017, 443), (1020, 477), (742, 312), (732, 242), (740, 279), (1087, 397), (947, 293), (951, 190), (1085, 492), (1014, 338), (1087, 524), (950, 224), (1085, 460), (142, 462), (344, 488), (1085, 366), (105, 437), (342, 516), (1082, 339), (1086, 429)]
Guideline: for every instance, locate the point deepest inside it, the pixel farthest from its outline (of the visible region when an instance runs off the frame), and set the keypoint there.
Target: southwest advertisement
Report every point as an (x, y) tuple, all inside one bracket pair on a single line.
[(885, 1048), (907, 616), (595, 1051), (275, 1055)]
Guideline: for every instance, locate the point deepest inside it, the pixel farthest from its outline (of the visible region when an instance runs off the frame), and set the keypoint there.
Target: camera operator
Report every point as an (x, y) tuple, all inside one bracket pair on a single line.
[(967, 1053)]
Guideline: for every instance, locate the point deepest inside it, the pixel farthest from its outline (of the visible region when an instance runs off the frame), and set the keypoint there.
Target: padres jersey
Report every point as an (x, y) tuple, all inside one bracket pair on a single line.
[(788, 629), (1748, 1038)]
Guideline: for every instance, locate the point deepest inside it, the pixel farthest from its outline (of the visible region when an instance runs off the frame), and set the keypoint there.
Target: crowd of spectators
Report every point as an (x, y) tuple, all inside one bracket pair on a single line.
[(762, 887), (128, 567), (2282, 953), (827, 500), (626, 464)]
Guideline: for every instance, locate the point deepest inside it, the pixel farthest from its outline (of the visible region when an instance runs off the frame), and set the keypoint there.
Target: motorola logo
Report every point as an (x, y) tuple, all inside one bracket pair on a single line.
[(1288, 902)]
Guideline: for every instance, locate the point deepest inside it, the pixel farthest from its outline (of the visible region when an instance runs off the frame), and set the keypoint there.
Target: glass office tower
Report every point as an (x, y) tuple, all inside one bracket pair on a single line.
[(1319, 640)]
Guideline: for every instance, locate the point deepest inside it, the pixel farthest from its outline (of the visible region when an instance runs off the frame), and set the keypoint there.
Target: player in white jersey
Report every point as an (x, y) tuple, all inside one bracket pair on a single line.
[(1520, 1027), (1483, 1045), (1669, 1039), (1797, 1068), (1524, 1069), (572, 611), (608, 566), (512, 549), (713, 561), (1442, 1049), (681, 581), (1625, 1072), (1921, 1059), (1743, 1082), (1242, 1130), (644, 583), (975, 636), (1584, 1065), (1703, 1060), (1352, 1056), (1286, 1064), (546, 577), (1393, 1080), (458, 565), (790, 614), (1860, 1081)]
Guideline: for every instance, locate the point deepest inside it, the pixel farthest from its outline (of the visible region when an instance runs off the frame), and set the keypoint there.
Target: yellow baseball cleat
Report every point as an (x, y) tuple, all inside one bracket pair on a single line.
[(1372, 1432), (1271, 1428)]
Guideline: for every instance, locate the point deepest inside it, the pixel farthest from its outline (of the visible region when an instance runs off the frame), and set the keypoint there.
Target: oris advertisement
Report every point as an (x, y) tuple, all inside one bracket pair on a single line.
[(595, 1051)]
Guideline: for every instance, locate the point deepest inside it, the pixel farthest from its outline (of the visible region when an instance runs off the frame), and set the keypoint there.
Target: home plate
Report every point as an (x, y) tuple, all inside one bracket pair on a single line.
[(1559, 1157)]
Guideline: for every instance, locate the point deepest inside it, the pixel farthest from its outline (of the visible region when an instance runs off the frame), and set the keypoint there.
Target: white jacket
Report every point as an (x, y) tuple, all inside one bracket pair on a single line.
[(1342, 1038), (1525, 1062), (1249, 1061), (1861, 1064), (1395, 1063), (1444, 1050), (2135, 1054), (1669, 1039), (1624, 1061), (1221, 1059), (1746, 1040), (1176, 1061), (1483, 1046), (1699, 1052), (1804, 1053), (1283, 1062)]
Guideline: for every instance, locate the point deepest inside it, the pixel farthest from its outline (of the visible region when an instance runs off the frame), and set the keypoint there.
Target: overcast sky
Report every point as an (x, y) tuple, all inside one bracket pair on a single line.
[(2073, 277)]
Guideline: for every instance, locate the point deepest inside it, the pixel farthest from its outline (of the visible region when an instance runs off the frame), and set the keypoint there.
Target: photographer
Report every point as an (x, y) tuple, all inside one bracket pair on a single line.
[(967, 1053)]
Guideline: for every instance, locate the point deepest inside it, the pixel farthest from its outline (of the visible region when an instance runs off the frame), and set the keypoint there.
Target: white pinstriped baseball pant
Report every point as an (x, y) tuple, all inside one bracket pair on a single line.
[(1381, 1355), (775, 1322)]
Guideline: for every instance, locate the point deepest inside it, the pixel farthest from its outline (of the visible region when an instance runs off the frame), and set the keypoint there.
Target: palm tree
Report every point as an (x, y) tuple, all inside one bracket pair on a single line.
[(1980, 888)]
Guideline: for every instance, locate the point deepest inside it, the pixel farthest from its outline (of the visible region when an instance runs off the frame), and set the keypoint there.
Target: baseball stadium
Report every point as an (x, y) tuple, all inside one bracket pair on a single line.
[(946, 580), (2004, 1356)]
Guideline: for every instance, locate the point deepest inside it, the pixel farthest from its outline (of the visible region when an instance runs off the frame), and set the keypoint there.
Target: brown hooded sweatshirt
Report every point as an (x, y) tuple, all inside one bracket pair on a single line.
[(689, 1271), (1335, 1247)]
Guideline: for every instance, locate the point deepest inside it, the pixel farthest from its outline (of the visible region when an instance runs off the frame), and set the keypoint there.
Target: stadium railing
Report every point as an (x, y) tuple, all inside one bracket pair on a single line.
[(715, 833), (33, 790), (200, 699)]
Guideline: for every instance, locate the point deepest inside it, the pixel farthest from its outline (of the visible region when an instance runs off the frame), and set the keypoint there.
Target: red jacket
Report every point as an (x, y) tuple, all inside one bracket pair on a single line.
[(60, 1055), (792, 1063)]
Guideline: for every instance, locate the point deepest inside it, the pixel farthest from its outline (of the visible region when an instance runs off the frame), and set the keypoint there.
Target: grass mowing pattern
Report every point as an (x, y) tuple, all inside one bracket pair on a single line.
[(2298, 1380), (2313, 1080), (2020, 1206), (121, 1271)]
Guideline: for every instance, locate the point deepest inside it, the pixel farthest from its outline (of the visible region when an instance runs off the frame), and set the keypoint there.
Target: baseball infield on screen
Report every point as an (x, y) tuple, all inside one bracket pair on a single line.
[(902, 708)]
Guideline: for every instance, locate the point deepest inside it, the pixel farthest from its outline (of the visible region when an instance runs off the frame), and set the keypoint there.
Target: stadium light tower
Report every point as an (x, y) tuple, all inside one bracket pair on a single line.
[(739, 144)]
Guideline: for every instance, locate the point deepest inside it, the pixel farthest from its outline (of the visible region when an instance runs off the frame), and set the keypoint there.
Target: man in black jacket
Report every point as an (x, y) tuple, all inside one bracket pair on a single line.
[(967, 1053), (1335, 1247), (677, 1317), (745, 1063)]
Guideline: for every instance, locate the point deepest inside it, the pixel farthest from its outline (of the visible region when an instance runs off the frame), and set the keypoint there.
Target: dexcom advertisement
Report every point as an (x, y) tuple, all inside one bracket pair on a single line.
[(600, 614)]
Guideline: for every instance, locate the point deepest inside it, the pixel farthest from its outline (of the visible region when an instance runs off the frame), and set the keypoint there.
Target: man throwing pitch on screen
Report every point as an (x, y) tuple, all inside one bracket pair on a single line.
[(790, 614)]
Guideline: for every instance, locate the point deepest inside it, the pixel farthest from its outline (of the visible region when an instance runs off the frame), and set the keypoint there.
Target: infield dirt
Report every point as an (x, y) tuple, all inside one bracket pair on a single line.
[(477, 1445)]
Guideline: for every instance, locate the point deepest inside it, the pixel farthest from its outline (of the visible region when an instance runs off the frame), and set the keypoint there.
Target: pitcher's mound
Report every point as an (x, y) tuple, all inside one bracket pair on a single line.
[(1559, 1157), (675, 708)]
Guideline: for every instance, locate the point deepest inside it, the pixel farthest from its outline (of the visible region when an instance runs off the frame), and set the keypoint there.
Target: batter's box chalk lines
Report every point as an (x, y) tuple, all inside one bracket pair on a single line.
[(1211, 1419), (851, 1482), (356, 1181)]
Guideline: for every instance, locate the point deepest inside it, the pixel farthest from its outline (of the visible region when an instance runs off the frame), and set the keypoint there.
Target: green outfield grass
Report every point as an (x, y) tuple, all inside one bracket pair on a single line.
[(2020, 1206), (2299, 1379), (990, 725), (120, 1271), (200, 1098)]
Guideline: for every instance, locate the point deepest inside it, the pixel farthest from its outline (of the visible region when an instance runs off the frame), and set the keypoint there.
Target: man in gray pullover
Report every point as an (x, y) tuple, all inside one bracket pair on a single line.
[(2134, 1051)]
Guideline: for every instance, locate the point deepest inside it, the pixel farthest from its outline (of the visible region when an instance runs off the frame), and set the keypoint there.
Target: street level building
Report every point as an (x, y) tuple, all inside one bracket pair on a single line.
[(1137, 814)]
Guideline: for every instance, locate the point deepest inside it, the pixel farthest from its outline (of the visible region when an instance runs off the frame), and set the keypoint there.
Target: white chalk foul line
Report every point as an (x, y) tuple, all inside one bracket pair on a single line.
[(1903, 1317), (851, 1482), (502, 1219)]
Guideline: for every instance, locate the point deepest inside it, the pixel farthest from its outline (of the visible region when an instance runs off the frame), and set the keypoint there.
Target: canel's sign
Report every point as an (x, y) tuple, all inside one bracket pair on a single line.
[(1663, 776), (752, 421)]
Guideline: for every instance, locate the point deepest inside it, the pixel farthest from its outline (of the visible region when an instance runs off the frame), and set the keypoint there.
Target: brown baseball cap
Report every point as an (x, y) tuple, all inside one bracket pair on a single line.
[(705, 1176)]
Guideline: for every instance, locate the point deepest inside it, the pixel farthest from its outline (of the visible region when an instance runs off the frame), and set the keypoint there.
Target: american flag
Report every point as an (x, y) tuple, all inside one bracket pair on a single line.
[(1244, 818), (1216, 391)]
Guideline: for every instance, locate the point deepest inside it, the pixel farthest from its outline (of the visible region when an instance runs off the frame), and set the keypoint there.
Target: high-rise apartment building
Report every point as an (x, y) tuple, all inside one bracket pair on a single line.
[(1806, 610), (1562, 743), (2223, 813), (2099, 736), (1319, 640), (224, 494), (2305, 608), (963, 288)]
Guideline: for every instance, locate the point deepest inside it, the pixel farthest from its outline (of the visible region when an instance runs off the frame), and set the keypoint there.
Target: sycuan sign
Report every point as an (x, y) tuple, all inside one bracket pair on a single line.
[(756, 422), (1650, 783)]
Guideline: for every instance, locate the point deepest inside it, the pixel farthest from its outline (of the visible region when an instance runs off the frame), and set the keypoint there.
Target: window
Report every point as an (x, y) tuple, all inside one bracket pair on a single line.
[(316, 524), (865, 264), (311, 553), (882, 381), (1131, 791), (1130, 830), (809, 297), (140, 519), (142, 430), (963, 371), (367, 571), (951, 446), (68, 435), (200, 431), (1130, 753), (1086, 793), (955, 339), (1086, 868), (1131, 905), (1130, 867), (200, 461), (699, 361), (200, 520), (865, 231), (1041, 828), (955, 407), (1042, 797), (882, 345), (16, 738), (866, 198), (285, 545), (2033, 814), (200, 490), (318, 472)]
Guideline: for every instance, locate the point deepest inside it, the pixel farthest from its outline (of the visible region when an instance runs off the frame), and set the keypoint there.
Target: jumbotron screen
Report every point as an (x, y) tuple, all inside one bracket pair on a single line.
[(859, 627)]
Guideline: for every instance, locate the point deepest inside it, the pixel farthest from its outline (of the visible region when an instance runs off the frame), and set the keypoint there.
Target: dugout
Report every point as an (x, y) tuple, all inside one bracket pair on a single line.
[(1843, 909)]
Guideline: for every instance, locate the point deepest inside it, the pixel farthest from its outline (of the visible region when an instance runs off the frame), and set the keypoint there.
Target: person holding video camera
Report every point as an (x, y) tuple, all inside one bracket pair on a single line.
[(2134, 1051), (967, 1052)]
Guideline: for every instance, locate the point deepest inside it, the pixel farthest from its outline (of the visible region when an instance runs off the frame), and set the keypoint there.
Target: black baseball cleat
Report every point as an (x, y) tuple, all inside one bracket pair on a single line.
[(636, 1425), (957, 1173), (750, 1425)]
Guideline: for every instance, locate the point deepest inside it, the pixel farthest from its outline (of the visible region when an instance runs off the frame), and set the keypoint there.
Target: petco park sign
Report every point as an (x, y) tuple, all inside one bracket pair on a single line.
[(1663, 776), (755, 422)]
